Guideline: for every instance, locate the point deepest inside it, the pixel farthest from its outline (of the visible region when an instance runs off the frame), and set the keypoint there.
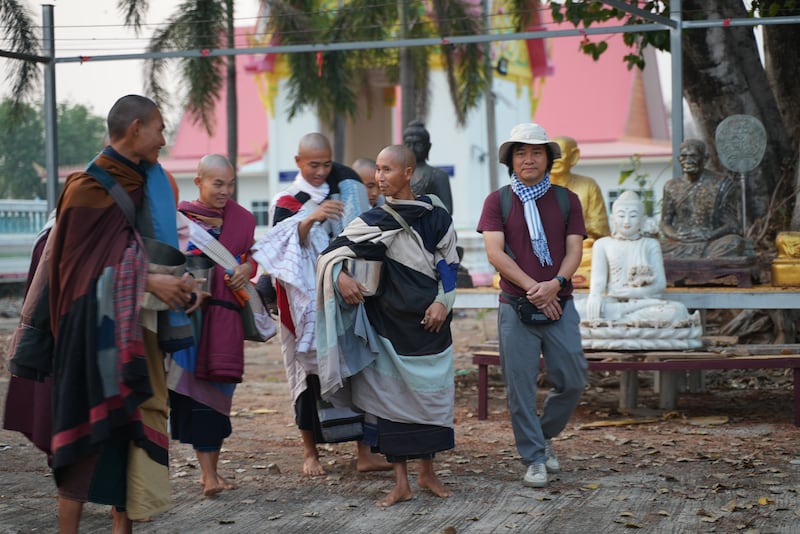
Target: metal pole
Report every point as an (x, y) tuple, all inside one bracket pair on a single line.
[(491, 126), (407, 106), (50, 120), (743, 185), (676, 54)]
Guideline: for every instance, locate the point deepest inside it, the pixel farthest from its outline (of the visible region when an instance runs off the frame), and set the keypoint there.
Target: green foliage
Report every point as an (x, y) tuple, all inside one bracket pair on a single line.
[(80, 134), (332, 88), (20, 148), (195, 25), (584, 14), (19, 32), (22, 152), (633, 170)]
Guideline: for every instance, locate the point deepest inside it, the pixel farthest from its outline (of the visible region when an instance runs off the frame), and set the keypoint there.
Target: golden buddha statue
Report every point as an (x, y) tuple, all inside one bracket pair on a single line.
[(594, 208), (786, 266)]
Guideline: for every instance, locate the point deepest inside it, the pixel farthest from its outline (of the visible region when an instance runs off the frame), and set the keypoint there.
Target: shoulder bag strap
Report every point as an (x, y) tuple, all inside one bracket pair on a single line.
[(402, 222), (122, 198)]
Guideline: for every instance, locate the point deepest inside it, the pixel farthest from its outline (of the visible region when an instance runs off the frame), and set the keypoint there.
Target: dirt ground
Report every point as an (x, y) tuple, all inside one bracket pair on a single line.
[(726, 461)]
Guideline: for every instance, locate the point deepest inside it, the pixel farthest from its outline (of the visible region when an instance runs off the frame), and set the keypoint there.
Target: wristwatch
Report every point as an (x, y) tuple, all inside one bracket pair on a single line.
[(561, 281)]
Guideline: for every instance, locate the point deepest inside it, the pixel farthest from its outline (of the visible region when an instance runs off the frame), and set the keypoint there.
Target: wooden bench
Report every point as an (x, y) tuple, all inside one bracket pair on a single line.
[(668, 363)]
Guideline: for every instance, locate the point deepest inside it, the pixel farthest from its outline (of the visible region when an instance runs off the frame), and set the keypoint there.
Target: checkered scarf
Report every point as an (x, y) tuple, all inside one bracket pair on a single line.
[(528, 196)]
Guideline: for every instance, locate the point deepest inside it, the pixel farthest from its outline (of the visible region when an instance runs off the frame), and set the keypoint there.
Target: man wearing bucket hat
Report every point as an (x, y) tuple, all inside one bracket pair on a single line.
[(533, 233)]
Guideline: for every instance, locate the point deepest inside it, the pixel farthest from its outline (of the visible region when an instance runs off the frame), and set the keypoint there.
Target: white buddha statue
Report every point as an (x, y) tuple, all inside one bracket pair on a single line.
[(625, 308)]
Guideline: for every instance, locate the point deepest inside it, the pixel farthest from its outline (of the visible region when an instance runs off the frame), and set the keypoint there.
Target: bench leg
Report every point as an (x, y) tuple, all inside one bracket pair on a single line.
[(628, 390), (796, 371), (668, 394), (483, 391), (697, 381)]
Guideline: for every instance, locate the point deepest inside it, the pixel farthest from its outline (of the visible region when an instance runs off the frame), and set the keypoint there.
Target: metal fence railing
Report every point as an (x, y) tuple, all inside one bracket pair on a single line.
[(22, 216)]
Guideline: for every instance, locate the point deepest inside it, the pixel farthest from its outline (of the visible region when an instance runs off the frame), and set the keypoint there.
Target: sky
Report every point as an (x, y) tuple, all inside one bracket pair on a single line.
[(94, 27)]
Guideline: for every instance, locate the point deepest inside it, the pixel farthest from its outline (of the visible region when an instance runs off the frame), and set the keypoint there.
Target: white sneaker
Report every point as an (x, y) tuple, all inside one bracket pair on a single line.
[(536, 476), (552, 461)]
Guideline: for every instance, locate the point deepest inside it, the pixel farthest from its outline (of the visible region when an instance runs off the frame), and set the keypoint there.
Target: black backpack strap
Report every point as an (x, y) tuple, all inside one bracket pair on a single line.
[(562, 196), (122, 198), (505, 209)]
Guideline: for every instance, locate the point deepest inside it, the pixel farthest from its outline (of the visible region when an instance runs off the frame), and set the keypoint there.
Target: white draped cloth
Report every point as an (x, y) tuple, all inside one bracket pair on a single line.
[(292, 263)]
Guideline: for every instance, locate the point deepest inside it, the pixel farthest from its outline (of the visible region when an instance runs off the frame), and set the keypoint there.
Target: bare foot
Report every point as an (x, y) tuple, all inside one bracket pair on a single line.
[(216, 485), (432, 482), (226, 484), (395, 496), (312, 467), (212, 488), (372, 462)]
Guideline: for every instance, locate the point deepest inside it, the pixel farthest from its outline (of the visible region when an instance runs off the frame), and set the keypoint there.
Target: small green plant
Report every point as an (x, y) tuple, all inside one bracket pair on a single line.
[(633, 171)]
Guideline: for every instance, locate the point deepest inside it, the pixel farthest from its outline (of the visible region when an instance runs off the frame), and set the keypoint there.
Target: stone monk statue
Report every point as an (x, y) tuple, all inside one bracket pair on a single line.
[(426, 179), (625, 309), (701, 212), (592, 202)]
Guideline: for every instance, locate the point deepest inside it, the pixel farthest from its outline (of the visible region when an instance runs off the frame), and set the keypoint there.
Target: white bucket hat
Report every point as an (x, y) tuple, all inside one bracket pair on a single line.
[(528, 133)]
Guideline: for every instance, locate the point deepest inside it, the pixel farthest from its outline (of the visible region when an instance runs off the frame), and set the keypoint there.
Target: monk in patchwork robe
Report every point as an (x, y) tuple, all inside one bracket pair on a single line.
[(394, 349), (83, 325)]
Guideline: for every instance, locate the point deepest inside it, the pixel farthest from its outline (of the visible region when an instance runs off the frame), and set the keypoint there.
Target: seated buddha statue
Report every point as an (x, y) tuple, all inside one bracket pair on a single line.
[(625, 308), (592, 203)]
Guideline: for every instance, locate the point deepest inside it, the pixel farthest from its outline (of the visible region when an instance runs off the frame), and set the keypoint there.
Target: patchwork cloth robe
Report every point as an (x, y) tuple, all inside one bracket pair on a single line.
[(109, 382), (397, 370)]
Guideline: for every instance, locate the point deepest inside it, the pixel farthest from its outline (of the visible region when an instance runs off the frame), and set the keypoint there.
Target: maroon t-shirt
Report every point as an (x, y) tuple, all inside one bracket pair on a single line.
[(518, 238)]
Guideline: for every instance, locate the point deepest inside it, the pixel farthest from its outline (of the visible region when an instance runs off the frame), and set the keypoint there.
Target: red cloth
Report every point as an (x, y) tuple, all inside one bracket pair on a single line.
[(220, 356)]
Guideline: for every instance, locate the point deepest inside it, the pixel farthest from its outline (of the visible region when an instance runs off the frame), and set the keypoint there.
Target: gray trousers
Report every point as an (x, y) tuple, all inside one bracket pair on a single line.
[(520, 347)]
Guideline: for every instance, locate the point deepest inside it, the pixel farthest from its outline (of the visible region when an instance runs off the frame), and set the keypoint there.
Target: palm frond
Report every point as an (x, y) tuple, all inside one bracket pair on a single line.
[(197, 25), (20, 32), (133, 11), (466, 74)]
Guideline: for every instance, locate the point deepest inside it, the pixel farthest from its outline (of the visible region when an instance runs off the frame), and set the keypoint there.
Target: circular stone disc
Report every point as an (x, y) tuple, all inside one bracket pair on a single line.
[(741, 141)]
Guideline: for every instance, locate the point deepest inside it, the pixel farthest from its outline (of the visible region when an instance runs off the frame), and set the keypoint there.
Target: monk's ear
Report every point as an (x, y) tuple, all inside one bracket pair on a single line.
[(134, 128), (197, 181)]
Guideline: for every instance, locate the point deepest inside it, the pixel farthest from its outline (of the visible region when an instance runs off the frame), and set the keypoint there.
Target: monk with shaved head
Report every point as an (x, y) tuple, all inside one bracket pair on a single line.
[(324, 196), (109, 394), (201, 394), (402, 378)]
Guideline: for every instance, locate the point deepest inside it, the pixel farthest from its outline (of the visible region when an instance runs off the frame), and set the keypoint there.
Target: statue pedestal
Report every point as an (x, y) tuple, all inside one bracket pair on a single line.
[(734, 272), (786, 267), (786, 272)]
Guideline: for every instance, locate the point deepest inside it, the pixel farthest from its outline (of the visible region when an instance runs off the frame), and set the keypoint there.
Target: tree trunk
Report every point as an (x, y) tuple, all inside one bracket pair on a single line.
[(723, 76), (231, 103), (782, 64)]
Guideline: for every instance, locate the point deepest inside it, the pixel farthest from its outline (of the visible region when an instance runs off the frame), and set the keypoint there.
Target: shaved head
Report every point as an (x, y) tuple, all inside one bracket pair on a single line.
[(394, 167), (314, 158), (403, 155), (215, 180), (126, 110), (313, 142), (211, 162), (364, 164)]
